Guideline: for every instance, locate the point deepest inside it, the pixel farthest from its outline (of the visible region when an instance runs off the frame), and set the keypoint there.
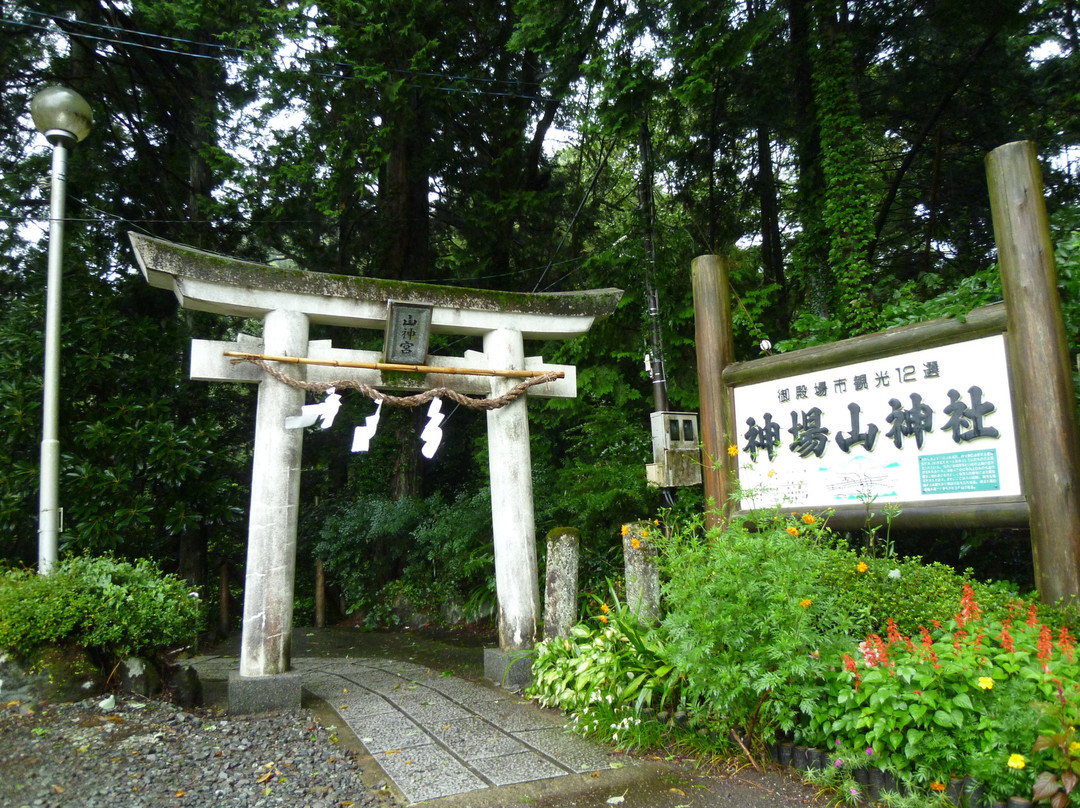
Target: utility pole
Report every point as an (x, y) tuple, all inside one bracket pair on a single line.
[(654, 359)]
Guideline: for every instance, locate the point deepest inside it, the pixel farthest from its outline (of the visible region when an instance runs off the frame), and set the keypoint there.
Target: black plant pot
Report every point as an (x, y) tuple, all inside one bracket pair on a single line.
[(798, 758), (784, 754)]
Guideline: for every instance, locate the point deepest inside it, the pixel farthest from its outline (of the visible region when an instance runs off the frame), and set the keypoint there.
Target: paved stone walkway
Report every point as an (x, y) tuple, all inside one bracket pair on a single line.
[(436, 735)]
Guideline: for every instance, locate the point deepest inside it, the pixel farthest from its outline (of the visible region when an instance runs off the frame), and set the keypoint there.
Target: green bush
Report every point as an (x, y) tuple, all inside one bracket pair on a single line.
[(905, 589), (113, 608), (749, 621), (377, 546)]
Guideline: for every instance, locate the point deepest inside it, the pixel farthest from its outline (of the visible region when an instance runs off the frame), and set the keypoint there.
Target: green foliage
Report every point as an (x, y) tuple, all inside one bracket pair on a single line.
[(970, 696), (847, 217), (748, 621), (412, 541), (608, 672), (377, 532), (614, 659), (114, 608), (904, 589)]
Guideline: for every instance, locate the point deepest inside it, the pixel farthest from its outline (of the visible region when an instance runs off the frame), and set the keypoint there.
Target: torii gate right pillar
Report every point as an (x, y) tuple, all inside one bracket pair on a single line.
[(512, 523)]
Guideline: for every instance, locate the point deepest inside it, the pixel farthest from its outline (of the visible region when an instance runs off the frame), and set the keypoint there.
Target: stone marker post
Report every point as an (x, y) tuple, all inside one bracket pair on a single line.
[(642, 574), (561, 593)]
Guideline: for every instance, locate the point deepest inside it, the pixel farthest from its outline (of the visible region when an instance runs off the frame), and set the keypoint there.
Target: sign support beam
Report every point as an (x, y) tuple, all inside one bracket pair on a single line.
[(1039, 367), (716, 350)]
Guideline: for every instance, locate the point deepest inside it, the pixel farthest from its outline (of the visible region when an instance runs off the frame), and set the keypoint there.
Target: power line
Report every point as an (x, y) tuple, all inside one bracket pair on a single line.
[(249, 52), (226, 50)]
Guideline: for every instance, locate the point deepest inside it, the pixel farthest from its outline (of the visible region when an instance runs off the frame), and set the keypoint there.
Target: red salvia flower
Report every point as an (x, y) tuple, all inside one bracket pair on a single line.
[(1033, 615), (969, 609), (894, 633), (958, 638), (849, 664), (1046, 647), (1066, 642), (928, 646), (1006, 637), (874, 651)]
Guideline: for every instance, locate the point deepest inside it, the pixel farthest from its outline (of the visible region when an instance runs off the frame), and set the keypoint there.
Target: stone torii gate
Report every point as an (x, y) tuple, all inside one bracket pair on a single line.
[(287, 301)]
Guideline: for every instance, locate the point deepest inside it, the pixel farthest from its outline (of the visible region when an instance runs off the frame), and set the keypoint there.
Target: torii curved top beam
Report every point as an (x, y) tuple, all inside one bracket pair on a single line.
[(206, 281)]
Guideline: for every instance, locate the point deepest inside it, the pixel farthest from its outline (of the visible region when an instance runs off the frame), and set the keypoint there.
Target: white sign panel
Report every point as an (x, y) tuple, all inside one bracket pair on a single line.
[(925, 426)]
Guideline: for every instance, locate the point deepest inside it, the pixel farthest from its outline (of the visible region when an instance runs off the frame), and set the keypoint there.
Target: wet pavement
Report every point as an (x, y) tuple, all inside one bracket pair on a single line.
[(437, 735), (433, 731)]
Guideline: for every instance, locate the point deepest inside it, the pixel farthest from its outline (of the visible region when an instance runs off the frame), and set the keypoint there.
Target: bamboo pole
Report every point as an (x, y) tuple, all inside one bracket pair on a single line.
[(1039, 368), (320, 594), (224, 621), (715, 351), (393, 367)]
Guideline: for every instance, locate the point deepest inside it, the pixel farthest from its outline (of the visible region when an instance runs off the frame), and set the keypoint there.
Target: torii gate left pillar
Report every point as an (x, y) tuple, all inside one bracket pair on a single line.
[(266, 638), (288, 301)]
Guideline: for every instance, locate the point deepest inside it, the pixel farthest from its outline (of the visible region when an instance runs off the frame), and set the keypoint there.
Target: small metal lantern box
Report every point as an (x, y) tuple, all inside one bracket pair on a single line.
[(676, 450)]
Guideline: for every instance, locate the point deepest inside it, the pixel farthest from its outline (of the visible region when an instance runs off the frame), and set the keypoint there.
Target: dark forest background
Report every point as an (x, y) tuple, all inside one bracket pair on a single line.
[(833, 151)]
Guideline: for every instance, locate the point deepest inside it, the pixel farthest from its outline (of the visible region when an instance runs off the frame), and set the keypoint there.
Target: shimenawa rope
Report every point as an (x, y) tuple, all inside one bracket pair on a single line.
[(417, 400)]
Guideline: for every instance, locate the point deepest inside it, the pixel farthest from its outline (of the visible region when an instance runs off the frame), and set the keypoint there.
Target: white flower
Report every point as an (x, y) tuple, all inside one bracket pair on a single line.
[(895, 574)]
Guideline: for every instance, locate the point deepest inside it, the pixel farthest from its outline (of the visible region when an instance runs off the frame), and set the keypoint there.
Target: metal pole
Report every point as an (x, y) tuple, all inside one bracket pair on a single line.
[(49, 508)]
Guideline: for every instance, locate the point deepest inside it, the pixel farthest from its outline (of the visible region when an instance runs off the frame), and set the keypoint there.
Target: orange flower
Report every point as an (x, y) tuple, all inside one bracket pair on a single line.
[(733, 450), (861, 566), (635, 543), (605, 608), (625, 529), (602, 618), (936, 786), (644, 534), (809, 518), (794, 531), (805, 603)]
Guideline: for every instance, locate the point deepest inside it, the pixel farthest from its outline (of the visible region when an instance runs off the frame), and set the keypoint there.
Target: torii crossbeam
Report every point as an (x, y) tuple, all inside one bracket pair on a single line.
[(288, 301)]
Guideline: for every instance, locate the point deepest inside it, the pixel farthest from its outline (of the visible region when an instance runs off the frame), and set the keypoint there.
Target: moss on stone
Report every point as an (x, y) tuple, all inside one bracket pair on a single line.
[(187, 262)]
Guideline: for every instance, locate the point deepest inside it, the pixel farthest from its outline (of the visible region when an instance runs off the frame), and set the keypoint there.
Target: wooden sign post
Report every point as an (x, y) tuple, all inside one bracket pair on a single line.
[(1039, 364)]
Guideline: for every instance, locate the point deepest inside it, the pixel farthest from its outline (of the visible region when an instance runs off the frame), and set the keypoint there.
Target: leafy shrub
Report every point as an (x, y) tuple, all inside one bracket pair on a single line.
[(905, 590), (606, 672), (114, 608), (749, 620), (367, 544), (970, 694), (425, 545)]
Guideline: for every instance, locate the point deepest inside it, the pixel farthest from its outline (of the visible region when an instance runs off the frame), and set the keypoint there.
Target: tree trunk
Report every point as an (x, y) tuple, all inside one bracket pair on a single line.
[(772, 257), (193, 552), (405, 197)]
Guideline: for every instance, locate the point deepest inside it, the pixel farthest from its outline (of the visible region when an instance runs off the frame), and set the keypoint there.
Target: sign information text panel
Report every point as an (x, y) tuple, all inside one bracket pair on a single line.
[(922, 426)]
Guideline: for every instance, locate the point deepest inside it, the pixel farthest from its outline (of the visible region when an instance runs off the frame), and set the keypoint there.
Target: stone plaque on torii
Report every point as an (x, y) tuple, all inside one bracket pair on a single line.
[(288, 301)]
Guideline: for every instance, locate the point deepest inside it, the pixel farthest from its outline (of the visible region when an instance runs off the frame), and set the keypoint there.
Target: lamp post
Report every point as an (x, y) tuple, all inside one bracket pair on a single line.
[(64, 118)]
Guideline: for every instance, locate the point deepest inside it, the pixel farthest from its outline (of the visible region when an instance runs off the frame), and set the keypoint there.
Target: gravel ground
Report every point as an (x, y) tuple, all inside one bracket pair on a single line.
[(152, 753)]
